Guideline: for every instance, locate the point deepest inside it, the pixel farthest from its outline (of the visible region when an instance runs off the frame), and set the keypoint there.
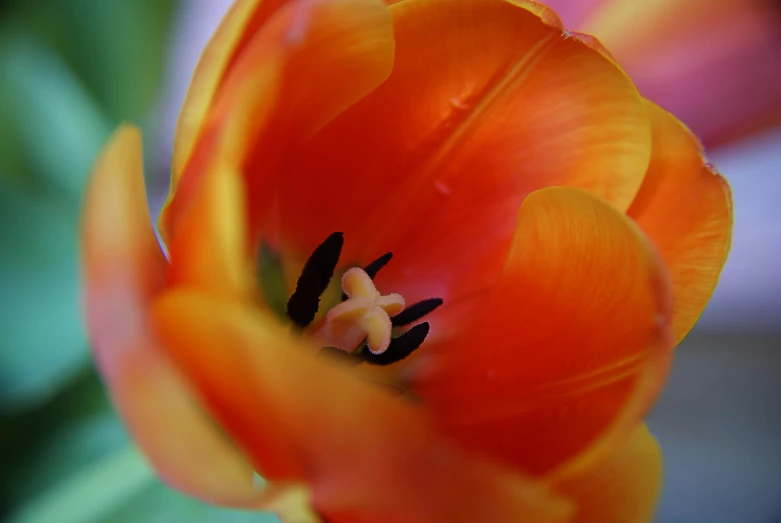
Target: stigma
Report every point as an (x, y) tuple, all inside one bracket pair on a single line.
[(365, 314)]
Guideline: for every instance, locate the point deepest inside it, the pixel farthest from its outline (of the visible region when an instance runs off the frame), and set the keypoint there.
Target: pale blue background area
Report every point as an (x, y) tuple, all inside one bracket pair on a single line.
[(719, 419)]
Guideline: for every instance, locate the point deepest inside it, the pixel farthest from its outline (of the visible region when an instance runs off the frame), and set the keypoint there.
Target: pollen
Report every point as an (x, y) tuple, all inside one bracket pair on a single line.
[(365, 314)]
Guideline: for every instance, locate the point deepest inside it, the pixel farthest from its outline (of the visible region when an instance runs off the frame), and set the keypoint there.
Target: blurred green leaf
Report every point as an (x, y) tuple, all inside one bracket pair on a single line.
[(71, 461), (91, 493), (70, 70), (159, 504), (42, 341), (40, 448), (57, 127), (121, 488), (73, 447), (115, 47)]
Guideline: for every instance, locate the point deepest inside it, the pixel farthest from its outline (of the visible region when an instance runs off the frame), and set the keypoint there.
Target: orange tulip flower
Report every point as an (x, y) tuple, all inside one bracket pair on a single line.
[(552, 236)]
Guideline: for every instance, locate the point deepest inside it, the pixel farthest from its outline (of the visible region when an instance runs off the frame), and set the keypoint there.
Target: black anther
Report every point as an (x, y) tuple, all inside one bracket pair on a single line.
[(374, 267), (400, 347), (415, 312), (318, 270)]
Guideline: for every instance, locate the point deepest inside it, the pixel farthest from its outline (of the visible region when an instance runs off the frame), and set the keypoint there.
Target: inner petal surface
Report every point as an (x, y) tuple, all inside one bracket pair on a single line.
[(570, 348), (485, 104)]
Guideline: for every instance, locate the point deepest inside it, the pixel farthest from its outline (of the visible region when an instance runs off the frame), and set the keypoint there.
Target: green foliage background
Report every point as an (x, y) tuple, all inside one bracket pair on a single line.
[(70, 72)]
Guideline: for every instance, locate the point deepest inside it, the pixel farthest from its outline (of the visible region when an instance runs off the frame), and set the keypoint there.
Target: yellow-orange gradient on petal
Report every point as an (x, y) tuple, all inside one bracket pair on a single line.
[(123, 269), (364, 455), (558, 232), (623, 487), (569, 348), (685, 207)]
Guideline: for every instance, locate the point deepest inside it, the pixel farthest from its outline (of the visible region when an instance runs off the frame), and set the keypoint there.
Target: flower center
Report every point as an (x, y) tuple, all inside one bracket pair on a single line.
[(365, 314), (361, 326)]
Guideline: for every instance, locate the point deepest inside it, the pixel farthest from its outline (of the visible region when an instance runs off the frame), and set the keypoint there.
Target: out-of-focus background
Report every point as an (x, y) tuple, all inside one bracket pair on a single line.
[(72, 70)]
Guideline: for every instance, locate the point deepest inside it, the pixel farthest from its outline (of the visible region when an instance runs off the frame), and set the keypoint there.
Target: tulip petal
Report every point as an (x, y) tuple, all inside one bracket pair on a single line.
[(123, 268), (209, 248), (623, 487), (685, 207), (308, 62), (569, 350), (364, 455), (486, 103), (230, 38)]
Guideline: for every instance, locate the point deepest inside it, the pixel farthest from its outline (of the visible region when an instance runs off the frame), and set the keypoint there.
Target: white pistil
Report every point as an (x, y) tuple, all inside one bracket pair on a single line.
[(365, 314)]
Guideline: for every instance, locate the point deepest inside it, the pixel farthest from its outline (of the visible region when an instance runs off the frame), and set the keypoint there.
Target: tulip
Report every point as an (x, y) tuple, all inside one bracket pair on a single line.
[(716, 64), (425, 261)]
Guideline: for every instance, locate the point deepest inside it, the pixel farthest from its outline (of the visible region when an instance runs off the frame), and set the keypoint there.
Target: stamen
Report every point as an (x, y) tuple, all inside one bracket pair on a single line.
[(374, 267), (360, 327), (318, 270), (400, 347), (415, 312)]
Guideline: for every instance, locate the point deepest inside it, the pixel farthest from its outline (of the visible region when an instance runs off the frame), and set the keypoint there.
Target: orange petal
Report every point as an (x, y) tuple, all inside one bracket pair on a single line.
[(307, 63), (364, 455), (209, 248), (123, 268), (623, 487), (685, 207), (570, 349), (243, 19), (486, 103)]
